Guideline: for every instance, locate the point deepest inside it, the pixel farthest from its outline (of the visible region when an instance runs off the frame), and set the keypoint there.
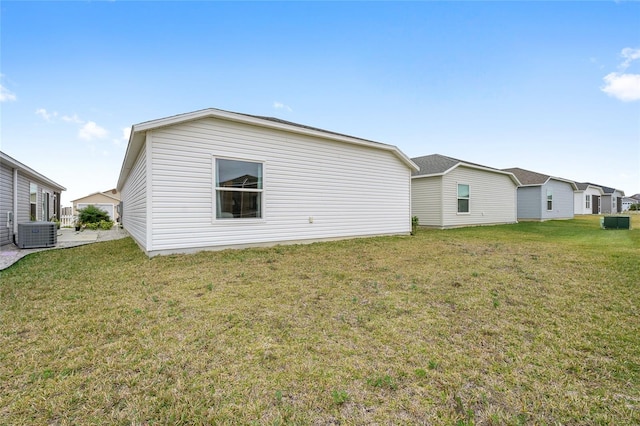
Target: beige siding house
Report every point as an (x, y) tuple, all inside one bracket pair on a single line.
[(447, 192), (25, 196), (107, 201), (214, 179)]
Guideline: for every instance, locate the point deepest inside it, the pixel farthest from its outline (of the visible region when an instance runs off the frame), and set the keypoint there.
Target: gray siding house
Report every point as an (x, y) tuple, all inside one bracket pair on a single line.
[(25, 195), (213, 179), (543, 197), (447, 192)]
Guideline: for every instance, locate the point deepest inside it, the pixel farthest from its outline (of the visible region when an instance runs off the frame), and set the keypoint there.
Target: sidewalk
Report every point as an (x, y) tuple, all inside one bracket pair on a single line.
[(67, 237)]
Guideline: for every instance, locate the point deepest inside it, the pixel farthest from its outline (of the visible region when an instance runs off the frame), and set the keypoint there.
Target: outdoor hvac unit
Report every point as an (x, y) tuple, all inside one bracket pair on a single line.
[(37, 234)]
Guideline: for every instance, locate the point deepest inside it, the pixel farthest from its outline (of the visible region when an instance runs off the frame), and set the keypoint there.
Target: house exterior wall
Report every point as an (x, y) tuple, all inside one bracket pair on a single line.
[(426, 200), (562, 200), (611, 203), (617, 205), (579, 200), (6, 202), (492, 198), (532, 201), (529, 203), (24, 202), (606, 203), (134, 200), (314, 188)]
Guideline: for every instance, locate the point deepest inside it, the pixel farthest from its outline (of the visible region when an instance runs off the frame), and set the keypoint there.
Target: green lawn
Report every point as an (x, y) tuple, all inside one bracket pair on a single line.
[(533, 323)]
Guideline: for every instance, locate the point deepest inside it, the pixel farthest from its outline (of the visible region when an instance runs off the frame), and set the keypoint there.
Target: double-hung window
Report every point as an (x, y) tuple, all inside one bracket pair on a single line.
[(463, 198), (33, 201), (587, 201), (549, 200), (239, 189)]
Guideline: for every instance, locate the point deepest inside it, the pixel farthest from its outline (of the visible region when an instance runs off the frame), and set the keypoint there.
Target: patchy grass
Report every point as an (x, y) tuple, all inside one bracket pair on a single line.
[(534, 323)]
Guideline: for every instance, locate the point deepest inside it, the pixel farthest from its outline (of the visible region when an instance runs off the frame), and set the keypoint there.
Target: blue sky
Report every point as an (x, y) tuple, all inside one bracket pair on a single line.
[(552, 87)]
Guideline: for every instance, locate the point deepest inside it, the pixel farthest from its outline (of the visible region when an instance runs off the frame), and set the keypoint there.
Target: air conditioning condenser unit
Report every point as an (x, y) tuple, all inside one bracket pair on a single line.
[(37, 234)]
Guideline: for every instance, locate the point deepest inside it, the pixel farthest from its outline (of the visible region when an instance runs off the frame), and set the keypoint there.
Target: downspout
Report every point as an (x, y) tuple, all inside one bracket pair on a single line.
[(15, 202)]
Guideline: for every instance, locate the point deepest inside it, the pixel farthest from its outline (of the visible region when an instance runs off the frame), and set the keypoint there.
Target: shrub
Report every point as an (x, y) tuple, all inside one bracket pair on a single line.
[(105, 224), (414, 225), (92, 214)]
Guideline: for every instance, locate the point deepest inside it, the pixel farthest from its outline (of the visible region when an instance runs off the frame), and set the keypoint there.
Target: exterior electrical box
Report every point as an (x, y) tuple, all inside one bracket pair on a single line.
[(616, 222), (37, 234)]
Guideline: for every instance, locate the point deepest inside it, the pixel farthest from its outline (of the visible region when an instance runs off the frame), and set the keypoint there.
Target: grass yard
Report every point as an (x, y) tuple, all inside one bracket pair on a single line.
[(534, 323)]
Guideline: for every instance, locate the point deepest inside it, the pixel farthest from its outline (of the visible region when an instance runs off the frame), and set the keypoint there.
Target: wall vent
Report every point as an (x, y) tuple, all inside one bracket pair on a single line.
[(37, 234)]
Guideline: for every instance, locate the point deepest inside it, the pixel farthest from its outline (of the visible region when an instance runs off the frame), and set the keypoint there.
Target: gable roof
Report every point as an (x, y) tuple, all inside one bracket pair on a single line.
[(138, 131), (605, 189), (437, 165), (584, 185), (104, 194), (13, 163), (529, 178)]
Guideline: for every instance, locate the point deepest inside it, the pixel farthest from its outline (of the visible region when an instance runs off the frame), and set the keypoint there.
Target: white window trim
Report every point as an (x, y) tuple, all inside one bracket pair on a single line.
[(546, 200), (35, 203), (237, 221), (458, 198)]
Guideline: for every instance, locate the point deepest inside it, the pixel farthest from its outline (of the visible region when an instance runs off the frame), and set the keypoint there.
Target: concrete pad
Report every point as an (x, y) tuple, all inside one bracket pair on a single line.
[(66, 238)]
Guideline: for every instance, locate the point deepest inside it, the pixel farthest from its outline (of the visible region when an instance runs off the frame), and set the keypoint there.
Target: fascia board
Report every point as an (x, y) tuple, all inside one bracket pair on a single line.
[(472, 166)]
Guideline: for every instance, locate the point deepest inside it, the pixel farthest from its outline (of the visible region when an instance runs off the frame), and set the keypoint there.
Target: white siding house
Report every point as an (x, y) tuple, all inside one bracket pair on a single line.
[(447, 192), (25, 196), (587, 198), (214, 179), (543, 197)]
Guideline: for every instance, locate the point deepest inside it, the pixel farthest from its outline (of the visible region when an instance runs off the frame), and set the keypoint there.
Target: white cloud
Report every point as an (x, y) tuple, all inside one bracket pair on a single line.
[(72, 119), (280, 105), (92, 131), (621, 85), (47, 116), (625, 87), (629, 56), (6, 95)]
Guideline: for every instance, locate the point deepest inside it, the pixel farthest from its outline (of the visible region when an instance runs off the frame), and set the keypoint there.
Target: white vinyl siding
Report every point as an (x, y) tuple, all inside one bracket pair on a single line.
[(134, 192), (314, 188), (426, 200), (492, 197), (434, 199), (580, 203)]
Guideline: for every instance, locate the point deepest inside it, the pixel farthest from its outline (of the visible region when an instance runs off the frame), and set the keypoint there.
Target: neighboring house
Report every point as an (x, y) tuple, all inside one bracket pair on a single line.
[(107, 201), (25, 195), (543, 197), (447, 192), (213, 179), (627, 202), (587, 198), (611, 200)]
